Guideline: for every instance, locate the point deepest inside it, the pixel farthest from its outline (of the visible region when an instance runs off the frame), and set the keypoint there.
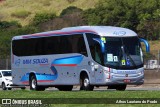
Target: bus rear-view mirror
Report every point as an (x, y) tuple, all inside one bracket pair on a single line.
[(146, 44), (101, 44)]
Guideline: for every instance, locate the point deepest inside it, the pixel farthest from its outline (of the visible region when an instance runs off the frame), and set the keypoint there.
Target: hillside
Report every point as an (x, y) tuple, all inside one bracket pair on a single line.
[(24, 10)]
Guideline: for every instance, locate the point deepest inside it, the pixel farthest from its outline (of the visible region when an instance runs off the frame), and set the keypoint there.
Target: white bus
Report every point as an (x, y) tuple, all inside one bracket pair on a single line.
[(85, 55)]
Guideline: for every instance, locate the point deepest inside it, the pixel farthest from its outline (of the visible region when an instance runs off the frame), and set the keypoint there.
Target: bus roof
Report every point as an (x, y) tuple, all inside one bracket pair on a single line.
[(109, 31)]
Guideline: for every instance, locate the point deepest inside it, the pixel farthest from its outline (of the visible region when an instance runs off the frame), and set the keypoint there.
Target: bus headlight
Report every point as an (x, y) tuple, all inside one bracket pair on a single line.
[(140, 72)]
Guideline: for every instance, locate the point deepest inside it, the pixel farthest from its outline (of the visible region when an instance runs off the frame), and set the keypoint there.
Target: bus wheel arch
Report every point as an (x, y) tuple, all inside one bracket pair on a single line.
[(33, 83), (85, 82)]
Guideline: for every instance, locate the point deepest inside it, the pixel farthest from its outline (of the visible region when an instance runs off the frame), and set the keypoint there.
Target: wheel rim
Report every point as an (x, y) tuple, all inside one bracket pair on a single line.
[(86, 82), (33, 83)]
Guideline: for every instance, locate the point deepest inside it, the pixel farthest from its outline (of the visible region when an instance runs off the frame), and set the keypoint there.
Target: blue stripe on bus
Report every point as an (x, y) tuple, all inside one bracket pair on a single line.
[(67, 61), (74, 60), (40, 77)]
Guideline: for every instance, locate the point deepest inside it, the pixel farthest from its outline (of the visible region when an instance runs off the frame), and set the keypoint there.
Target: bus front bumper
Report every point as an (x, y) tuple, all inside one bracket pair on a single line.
[(139, 80)]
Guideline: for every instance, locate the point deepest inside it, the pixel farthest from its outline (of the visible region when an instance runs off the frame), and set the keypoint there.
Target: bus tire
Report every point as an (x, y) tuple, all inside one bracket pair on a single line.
[(33, 84), (65, 88), (85, 84), (3, 86), (121, 87)]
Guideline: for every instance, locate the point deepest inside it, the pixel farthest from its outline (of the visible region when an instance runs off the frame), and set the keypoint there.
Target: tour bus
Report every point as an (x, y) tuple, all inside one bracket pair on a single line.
[(84, 55)]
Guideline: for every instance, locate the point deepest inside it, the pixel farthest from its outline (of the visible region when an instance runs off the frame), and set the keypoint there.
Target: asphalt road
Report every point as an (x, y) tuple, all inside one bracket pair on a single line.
[(144, 87)]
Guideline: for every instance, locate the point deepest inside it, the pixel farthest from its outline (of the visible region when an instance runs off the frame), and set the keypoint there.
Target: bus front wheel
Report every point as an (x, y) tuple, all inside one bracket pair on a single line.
[(85, 84), (33, 84)]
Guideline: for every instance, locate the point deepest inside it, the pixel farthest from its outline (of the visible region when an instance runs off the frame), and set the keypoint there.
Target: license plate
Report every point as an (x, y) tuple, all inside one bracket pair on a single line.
[(127, 80)]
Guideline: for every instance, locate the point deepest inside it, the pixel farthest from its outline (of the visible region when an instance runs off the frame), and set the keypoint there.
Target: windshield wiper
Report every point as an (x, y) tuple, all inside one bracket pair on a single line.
[(128, 55)]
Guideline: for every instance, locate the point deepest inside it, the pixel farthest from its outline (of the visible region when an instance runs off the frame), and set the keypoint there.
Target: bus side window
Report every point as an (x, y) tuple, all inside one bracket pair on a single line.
[(51, 45), (81, 46), (65, 45), (98, 56), (39, 46)]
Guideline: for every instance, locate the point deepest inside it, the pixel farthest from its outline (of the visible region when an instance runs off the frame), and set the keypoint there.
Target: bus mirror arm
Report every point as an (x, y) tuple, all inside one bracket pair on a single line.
[(146, 44), (101, 44)]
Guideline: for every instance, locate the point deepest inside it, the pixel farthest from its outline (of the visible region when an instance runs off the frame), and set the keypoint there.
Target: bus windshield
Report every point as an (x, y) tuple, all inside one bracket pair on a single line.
[(123, 52)]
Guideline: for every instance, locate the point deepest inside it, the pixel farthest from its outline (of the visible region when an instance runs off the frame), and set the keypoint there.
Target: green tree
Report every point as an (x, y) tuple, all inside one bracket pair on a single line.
[(42, 17), (70, 10), (6, 37), (142, 16), (4, 25)]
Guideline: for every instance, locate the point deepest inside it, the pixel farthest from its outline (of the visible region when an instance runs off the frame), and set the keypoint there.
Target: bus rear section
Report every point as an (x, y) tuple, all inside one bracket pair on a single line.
[(48, 61)]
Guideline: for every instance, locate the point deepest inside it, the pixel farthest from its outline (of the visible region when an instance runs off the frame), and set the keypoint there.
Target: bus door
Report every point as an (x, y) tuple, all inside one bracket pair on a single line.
[(97, 56), (96, 52)]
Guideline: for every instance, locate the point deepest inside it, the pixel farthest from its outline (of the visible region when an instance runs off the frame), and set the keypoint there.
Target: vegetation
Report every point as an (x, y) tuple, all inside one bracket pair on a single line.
[(142, 16), (10, 7), (21, 14), (42, 17), (78, 94)]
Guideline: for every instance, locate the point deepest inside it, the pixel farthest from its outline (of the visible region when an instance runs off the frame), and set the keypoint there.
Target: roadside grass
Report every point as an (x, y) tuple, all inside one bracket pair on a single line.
[(79, 94), (84, 94)]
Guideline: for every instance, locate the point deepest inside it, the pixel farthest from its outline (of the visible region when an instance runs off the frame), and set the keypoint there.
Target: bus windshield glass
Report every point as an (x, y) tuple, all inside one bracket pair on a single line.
[(123, 52)]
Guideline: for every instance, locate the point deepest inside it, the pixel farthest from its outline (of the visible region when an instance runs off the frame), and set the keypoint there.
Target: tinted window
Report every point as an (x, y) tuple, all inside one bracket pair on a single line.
[(95, 48), (50, 45)]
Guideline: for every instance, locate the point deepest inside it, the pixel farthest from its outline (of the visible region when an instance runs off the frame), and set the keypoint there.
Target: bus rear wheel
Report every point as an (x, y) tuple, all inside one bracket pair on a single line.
[(33, 84), (85, 84)]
